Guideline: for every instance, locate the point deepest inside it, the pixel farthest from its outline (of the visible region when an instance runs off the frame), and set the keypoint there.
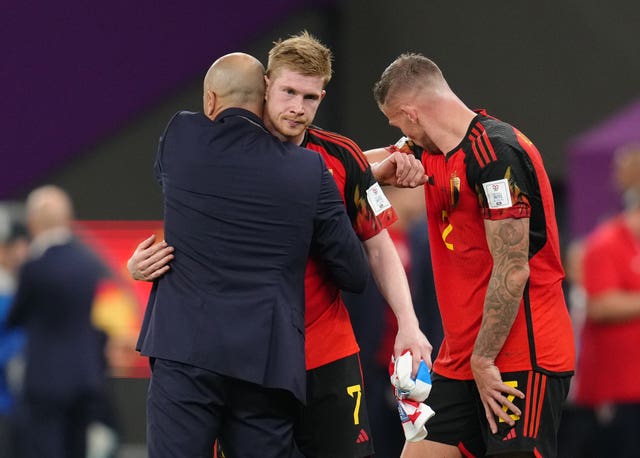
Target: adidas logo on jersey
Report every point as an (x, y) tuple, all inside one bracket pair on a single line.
[(362, 437), (510, 435)]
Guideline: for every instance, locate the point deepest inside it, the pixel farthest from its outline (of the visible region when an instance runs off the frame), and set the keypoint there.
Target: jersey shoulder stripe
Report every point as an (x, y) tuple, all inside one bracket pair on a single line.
[(341, 141), (481, 146), (481, 160)]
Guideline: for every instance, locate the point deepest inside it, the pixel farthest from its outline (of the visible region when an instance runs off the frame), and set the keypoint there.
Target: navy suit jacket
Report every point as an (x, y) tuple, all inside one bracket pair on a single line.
[(65, 352), (243, 210)]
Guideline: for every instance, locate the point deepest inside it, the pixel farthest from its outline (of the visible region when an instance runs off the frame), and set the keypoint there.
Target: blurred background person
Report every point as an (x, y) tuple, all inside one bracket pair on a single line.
[(65, 369), (14, 244), (609, 359)]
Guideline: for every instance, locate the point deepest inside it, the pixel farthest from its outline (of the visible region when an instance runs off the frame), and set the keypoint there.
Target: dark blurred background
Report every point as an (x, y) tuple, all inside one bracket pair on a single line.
[(90, 86)]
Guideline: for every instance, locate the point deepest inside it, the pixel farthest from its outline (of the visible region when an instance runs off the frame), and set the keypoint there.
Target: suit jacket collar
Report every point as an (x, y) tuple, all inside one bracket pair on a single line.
[(239, 112)]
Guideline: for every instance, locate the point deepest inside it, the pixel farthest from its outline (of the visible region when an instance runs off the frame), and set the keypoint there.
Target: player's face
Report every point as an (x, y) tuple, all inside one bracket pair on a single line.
[(292, 100), (413, 130)]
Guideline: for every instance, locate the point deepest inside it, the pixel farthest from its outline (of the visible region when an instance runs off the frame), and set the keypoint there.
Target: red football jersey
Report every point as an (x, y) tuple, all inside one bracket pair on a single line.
[(495, 173), (609, 363), (329, 334)]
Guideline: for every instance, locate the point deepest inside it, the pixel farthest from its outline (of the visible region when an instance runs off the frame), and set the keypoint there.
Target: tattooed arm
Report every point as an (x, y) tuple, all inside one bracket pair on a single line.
[(508, 241)]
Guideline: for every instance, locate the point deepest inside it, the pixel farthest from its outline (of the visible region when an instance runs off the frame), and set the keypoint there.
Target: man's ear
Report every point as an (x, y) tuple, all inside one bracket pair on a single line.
[(410, 112), (323, 94), (210, 104)]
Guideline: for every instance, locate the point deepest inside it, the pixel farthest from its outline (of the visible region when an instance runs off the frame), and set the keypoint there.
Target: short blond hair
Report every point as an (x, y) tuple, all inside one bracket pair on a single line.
[(302, 53), (409, 71)]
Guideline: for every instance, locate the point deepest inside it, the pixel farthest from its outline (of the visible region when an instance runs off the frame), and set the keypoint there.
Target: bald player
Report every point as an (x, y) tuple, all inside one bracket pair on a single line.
[(224, 328)]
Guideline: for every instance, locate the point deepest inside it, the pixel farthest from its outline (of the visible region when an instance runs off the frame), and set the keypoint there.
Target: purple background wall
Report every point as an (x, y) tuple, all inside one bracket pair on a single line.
[(74, 71), (592, 192), (88, 87)]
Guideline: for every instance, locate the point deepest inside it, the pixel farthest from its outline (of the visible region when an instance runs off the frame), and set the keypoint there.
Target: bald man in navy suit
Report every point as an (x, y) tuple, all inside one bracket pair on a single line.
[(224, 327), (65, 374)]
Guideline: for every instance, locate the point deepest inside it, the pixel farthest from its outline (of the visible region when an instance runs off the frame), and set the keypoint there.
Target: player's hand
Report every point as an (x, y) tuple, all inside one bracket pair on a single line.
[(150, 261), (411, 338), (400, 170), (493, 392)]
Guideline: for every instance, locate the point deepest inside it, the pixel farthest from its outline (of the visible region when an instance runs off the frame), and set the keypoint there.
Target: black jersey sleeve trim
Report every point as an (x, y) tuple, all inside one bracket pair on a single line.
[(346, 143)]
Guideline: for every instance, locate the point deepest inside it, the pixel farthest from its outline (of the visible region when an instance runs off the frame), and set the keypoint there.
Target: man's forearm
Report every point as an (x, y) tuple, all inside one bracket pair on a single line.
[(390, 277), (614, 306), (376, 155), (509, 244), (500, 312)]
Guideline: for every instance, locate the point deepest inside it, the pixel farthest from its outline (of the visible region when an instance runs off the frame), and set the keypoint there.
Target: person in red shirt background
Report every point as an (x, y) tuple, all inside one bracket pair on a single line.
[(609, 359)]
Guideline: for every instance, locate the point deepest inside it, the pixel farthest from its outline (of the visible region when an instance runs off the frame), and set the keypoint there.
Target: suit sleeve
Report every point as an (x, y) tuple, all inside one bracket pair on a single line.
[(157, 165), (334, 241)]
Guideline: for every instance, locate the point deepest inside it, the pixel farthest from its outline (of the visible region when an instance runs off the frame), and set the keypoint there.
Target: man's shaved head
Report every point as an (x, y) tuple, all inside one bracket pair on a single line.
[(48, 207), (234, 80)]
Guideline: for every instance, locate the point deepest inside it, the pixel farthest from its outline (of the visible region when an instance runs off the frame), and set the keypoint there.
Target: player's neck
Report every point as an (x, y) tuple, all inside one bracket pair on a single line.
[(455, 120), (632, 221), (297, 140)]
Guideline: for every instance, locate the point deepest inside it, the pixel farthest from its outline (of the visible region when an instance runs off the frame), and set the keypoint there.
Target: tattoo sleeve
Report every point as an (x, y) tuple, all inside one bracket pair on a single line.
[(509, 245)]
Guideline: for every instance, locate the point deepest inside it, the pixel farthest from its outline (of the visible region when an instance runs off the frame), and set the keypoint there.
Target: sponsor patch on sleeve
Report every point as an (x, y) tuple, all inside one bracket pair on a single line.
[(498, 194), (377, 200)]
